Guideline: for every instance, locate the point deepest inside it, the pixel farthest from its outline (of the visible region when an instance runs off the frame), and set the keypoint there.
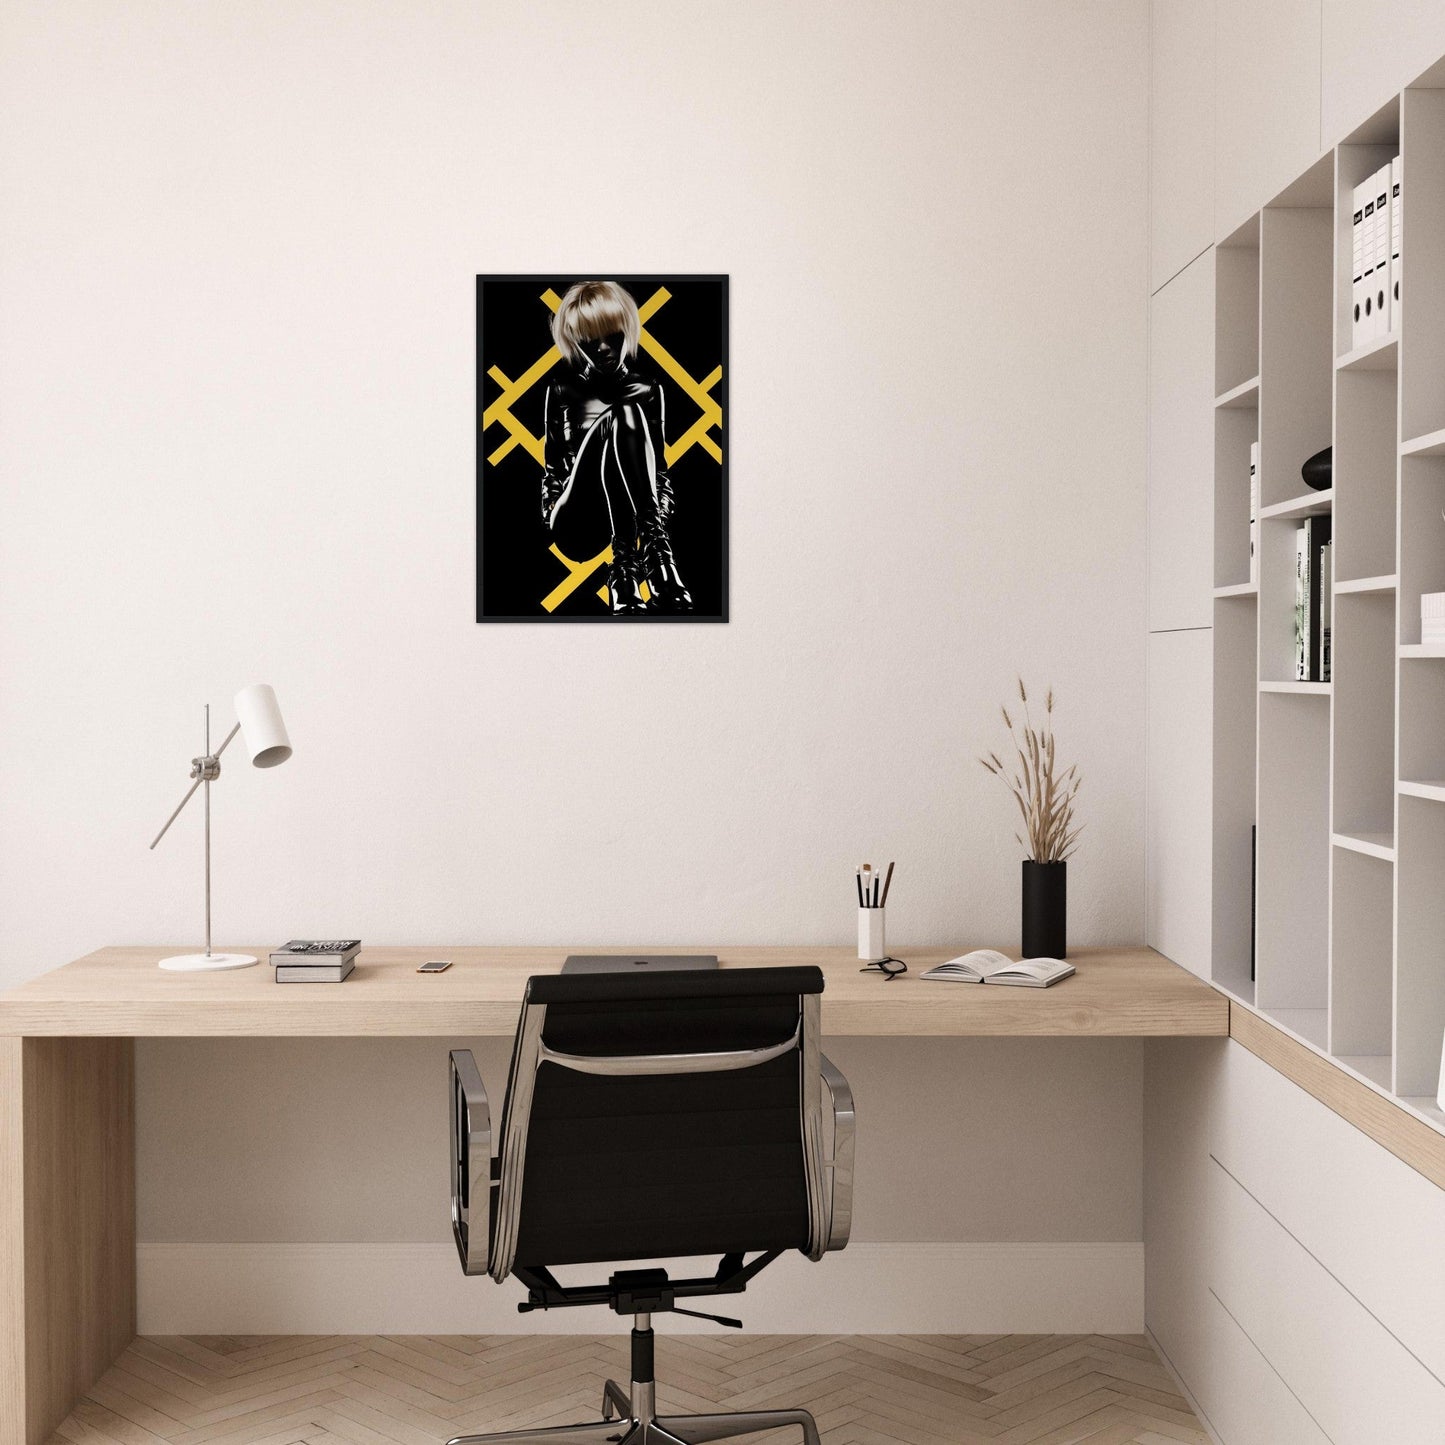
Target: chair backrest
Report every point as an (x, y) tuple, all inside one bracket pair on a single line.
[(668, 1114)]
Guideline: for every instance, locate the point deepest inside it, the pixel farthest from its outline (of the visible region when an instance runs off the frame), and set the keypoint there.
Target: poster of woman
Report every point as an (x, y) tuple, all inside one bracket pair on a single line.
[(602, 448)]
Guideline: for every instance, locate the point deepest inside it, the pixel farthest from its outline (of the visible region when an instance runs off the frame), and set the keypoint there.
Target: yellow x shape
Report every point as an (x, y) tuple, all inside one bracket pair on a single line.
[(499, 412)]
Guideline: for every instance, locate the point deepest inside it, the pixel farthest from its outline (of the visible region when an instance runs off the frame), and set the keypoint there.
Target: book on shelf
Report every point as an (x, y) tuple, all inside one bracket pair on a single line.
[(1254, 513), (316, 952), (314, 972), (988, 965), (1326, 606), (1318, 535), (1310, 609), (1301, 605)]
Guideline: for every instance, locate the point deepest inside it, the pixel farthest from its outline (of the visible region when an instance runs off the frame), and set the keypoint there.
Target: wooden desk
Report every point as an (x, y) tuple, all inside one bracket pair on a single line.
[(119, 992), (67, 1185)]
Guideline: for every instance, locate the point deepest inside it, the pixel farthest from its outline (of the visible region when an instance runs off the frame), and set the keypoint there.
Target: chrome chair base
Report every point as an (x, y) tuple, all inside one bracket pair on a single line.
[(639, 1426)]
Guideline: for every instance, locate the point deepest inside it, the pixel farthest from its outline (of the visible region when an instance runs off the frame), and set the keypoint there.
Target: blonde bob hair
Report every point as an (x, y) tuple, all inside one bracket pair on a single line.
[(591, 310)]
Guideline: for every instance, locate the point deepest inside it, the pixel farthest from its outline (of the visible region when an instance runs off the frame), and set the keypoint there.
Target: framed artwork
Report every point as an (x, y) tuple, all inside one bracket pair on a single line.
[(602, 492)]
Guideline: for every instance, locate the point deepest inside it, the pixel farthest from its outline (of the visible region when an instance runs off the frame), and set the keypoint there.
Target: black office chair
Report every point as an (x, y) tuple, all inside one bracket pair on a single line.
[(650, 1117)]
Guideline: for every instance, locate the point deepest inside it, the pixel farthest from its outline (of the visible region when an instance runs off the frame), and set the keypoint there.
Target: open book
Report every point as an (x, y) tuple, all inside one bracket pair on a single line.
[(987, 965)]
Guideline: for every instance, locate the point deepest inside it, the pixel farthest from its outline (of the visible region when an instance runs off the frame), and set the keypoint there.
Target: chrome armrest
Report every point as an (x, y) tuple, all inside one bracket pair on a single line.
[(840, 1166), (623, 1065), (471, 1163)]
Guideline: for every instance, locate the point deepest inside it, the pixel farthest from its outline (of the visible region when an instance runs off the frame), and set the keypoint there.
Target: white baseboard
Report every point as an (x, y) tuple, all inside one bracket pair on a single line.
[(350, 1289)]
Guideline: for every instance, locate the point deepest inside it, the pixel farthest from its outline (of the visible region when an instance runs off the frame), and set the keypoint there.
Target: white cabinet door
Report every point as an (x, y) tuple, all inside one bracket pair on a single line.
[(1178, 805), (1181, 450), (1181, 134), (1266, 102), (1370, 49)]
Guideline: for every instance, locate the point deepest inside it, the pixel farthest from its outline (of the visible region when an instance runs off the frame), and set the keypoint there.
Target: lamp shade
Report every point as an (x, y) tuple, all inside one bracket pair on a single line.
[(262, 730)]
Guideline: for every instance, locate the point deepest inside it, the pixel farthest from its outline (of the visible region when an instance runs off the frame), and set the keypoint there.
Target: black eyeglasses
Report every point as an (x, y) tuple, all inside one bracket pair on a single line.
[(890, 968)]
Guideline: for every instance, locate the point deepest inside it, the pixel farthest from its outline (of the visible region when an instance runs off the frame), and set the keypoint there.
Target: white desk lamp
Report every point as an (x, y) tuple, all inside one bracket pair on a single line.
[(258, 720)]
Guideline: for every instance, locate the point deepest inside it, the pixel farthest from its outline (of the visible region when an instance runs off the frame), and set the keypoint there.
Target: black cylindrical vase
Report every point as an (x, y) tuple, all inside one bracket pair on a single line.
[(1046, 909)]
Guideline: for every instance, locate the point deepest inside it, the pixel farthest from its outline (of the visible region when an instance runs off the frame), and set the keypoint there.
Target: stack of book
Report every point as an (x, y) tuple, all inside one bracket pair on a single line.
[(1313, 584), (315, 960)]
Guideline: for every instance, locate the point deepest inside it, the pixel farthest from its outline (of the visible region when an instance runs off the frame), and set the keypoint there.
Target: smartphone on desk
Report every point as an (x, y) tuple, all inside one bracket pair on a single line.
[(435, 965)]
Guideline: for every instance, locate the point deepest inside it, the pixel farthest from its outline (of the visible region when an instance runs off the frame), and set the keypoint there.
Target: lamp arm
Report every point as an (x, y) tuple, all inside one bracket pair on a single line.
[(235, 728), (190, 793), (199, 772)]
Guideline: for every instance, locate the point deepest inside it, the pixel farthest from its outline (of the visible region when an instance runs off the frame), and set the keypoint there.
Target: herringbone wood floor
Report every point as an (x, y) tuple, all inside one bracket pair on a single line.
[(419, 1390)]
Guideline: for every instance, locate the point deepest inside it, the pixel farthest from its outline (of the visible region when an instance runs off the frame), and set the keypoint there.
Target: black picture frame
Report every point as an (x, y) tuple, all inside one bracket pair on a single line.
[(511, 543)]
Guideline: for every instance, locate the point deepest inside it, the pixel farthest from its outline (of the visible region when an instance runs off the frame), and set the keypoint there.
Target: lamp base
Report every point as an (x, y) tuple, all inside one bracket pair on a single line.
[(206, 962)]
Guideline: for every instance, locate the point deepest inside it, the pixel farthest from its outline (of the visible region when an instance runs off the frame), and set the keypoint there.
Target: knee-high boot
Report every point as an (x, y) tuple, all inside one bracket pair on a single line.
[(659, 566), (624, 579)]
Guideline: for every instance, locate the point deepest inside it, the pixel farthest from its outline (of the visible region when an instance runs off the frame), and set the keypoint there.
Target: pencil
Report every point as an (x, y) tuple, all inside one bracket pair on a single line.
[(887, 884)]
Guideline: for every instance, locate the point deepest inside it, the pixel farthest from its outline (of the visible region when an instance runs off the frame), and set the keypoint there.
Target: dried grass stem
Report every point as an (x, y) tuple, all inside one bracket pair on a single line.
[(1044, 795)]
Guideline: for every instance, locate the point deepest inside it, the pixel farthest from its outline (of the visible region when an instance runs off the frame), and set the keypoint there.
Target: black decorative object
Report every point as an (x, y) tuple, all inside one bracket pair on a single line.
[(1045, 911), (1319, 471)]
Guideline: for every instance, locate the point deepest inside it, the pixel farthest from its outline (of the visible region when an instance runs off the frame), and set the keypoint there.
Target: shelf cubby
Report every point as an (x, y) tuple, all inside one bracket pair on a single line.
[(1373, 145), (1236, 302), (1236, 701), (1420, 960), (1363, 686), (1422, 251), (1422, 725), (1296, 359), (1235, 430), (1362, 956), (1294, 852), (1276, 602), (1422, 538), (1365, 461)]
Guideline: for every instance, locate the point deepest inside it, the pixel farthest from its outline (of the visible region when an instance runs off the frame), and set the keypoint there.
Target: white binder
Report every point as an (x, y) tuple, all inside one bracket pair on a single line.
[(1381, 291), (1396, 224), (1367, 322), (1357, 266)]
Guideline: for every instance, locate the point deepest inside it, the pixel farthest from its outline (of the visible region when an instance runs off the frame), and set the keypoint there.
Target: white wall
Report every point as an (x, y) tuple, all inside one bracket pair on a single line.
[(236, 377)]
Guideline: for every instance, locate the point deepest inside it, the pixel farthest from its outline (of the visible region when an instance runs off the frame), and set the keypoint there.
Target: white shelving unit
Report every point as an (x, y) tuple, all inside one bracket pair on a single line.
[(1337, 789)]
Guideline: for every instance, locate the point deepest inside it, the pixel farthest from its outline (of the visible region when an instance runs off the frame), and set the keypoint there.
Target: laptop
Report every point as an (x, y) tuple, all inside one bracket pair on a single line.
[(637, 962)]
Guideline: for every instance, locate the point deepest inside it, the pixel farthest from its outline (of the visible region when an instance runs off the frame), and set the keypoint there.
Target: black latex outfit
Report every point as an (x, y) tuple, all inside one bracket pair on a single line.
[(606, 476)]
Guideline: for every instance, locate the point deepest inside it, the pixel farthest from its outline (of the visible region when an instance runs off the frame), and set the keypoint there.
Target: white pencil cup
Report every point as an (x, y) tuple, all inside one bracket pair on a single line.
[(871, 945)]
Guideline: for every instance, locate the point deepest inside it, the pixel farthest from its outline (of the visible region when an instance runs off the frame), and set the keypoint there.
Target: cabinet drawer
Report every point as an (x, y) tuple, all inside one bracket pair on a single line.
[(1357, 1381), (1246, 1402), (1367, 1217)]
